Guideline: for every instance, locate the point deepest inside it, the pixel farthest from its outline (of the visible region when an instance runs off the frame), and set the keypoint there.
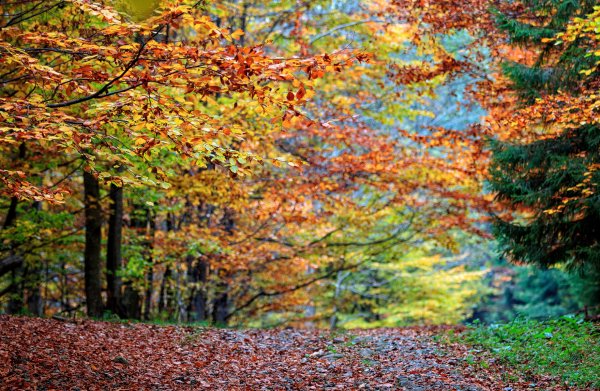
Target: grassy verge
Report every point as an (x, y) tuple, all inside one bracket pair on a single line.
[(567, 348)]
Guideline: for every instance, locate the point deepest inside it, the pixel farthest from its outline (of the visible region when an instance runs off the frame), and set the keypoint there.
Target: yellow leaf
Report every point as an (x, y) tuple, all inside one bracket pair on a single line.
[(237, 34)]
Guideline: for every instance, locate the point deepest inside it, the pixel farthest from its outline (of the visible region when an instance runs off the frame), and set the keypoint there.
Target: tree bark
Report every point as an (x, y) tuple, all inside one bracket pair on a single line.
[(15, 300), (144, 223), (11, 214), (32, 281), (114, 260), (10, 263), (197, 276), (150, 230), (35, 303), (93, 245), (164, 294), (149, 292), (14, 263), (131, 302), (221, 304), (341, 276), (221, 301)]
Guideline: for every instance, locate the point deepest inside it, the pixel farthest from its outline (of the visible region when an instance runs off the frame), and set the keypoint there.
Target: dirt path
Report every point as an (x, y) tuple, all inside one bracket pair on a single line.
[(49, 354)]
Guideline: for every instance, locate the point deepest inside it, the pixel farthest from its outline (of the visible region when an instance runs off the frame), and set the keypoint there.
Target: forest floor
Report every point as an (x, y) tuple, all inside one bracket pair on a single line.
[(48, 354)]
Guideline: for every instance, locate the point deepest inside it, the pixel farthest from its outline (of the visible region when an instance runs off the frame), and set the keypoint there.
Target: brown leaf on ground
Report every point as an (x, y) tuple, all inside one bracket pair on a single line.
[(44, 354)]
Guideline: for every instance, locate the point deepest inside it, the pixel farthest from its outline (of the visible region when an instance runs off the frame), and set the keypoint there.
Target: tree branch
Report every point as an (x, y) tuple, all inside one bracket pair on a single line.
[(105, 88), (263, 293), (21, 17), (340, 27)]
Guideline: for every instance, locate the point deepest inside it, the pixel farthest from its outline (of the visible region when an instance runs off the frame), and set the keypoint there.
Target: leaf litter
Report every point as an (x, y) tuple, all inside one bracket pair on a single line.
[(48, 354)]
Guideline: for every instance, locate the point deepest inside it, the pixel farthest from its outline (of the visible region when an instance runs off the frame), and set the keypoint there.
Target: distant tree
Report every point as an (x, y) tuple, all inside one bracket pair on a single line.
[(528, 291)]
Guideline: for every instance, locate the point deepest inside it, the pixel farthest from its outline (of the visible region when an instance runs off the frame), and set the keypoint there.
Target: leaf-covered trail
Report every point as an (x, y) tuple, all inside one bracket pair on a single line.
[(47, 354)]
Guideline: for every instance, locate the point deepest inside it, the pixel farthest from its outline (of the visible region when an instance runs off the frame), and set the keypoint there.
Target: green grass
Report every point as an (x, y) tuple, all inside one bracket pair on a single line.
[(110, 317), (567, 348)]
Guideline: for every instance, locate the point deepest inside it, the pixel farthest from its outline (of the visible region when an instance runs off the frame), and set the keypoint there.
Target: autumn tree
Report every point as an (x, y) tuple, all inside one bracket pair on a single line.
[(372, 163), (108, 96), (545, 161)]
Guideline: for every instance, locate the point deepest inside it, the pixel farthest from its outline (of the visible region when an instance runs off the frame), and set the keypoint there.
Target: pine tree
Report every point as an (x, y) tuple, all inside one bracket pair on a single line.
[(553, 177)]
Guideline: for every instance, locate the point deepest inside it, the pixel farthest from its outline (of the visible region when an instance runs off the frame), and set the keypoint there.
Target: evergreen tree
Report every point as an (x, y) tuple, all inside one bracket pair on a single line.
[(552, 173)]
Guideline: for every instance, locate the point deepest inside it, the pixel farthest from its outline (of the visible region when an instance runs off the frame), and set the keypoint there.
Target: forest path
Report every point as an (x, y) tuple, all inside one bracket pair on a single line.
[(46, 354)]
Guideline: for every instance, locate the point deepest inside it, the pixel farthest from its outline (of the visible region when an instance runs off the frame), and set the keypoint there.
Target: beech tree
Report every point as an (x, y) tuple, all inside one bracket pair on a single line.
[(106, 95)]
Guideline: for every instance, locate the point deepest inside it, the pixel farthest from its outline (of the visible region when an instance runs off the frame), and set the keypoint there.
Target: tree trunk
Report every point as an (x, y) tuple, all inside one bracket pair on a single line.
[(221, 304), (144, 223), (15, 300), (32, 282), (179, 302), (197, 276), (221, 301), (149, 292), (113, 250), (164, 294), (150, 230), (131, 302), (93, 245), (341, 276), (310, 310), (13, 263), (35, 304), (11, 215)]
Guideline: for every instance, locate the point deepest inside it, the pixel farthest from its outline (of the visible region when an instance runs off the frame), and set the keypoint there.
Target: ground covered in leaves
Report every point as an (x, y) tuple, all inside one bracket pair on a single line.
[(47, 354)]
